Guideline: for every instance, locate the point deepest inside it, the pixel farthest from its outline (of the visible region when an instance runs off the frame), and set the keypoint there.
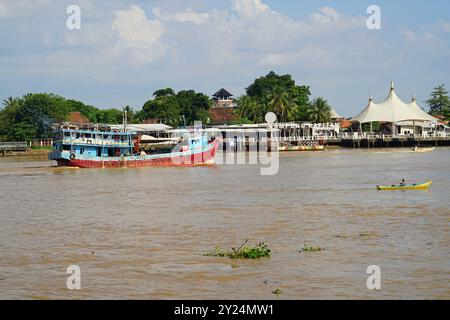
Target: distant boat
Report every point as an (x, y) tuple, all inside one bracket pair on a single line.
[(102, 147), (423, 149), (422, 186), (303, 147)]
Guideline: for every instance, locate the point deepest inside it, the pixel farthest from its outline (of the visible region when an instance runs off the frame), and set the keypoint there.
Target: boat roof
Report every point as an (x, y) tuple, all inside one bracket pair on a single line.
[(142, 127)]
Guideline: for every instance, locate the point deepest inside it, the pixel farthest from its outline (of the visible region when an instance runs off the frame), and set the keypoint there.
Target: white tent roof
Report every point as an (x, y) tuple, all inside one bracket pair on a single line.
[(413, 105), (335, 115), (392, 110)]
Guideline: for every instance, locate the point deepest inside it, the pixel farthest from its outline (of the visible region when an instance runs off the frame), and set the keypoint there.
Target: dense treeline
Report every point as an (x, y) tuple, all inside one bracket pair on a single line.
[(31, 116)]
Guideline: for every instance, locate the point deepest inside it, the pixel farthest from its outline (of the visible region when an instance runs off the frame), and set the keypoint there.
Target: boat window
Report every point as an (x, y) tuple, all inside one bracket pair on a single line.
[(81, 150), (66, 147)]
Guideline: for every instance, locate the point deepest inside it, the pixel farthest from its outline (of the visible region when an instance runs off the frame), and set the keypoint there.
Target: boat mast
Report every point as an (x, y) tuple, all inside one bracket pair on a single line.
[(124, 120)]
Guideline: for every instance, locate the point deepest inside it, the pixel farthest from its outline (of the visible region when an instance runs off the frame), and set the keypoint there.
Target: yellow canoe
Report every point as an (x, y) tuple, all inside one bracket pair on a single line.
[(422, 186)]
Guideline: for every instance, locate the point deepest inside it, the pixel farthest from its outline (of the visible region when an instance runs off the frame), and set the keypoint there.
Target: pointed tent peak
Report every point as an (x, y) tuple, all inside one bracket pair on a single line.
[(392, 86), (370, 98), (413, 98)]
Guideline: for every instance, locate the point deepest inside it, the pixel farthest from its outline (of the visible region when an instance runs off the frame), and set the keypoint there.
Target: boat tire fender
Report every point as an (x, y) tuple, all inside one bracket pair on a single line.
[(72, 156)]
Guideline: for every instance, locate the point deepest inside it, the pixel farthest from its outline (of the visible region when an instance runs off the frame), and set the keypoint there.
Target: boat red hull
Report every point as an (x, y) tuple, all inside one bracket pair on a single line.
[(201, 158)]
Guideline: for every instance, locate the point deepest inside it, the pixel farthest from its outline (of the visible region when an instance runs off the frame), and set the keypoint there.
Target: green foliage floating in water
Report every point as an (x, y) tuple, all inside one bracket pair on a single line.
[(244, 252), (308, 248), (277, 291)]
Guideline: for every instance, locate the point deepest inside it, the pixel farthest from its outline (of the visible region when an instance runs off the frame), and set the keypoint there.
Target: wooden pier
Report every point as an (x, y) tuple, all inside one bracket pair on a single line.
[(385, 141), (346, 141), (6, 147)]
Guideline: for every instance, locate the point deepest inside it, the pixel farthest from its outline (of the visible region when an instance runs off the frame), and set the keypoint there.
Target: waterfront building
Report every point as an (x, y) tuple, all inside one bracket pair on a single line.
[(222, 111), (223, 99), (395, 116)]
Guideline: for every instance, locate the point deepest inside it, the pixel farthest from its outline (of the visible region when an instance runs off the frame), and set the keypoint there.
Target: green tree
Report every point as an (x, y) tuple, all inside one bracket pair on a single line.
[(10, 102), (194, 106), (277, 93), (282, 104), (24, 132), (132, 116), (376, 126), (439, 101), (7, 117), (163, 108), (262, 86), (170, 107), (250, 109), (40, 111), (319, 111), (110, 116), (167, 92), (88, 111), (300, 96)]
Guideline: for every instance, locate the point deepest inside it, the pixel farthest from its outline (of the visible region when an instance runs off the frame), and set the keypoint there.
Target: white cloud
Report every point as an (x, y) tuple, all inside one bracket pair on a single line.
[(408, 35), (16, 8), (3, 10), (418, 38), (138, 37), (186, 16), (445, 26), (325, 15), (309, 55), (204, 44), (248, 8), (135, 29), (428, 37)]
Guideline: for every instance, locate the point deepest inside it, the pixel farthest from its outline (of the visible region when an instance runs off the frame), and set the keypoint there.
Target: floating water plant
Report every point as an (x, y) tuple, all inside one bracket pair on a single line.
[(308, 248), (364, 235), (277, 291), (243, 252)]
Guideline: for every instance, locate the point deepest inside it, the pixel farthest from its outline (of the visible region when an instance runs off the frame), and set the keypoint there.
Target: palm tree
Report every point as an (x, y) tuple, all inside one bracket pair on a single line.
[(283, 106), (10, 102), (249, 108), (319, 111)]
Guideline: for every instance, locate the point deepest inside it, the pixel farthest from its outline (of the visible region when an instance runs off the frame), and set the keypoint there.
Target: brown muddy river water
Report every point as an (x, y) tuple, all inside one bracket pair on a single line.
[(142, 233)]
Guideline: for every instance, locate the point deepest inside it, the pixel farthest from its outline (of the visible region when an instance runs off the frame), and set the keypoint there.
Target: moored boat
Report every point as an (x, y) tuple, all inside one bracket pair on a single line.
[(302, 147), (102, 147), (422, 186), (423, 149)]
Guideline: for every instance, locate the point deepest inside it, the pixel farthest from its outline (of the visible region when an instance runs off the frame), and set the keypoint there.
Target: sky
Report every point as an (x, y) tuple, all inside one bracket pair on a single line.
[(127, 49)]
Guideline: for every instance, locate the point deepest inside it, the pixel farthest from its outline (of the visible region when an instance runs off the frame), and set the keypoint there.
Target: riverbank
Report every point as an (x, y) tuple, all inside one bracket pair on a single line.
[(33, 153)]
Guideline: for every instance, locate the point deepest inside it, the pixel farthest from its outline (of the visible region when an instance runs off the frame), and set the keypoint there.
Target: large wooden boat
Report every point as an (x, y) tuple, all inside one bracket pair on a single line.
[(102, 147)]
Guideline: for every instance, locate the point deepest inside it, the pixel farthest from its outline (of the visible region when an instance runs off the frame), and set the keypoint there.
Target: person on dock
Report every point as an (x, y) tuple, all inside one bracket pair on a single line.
[(403, 183)]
